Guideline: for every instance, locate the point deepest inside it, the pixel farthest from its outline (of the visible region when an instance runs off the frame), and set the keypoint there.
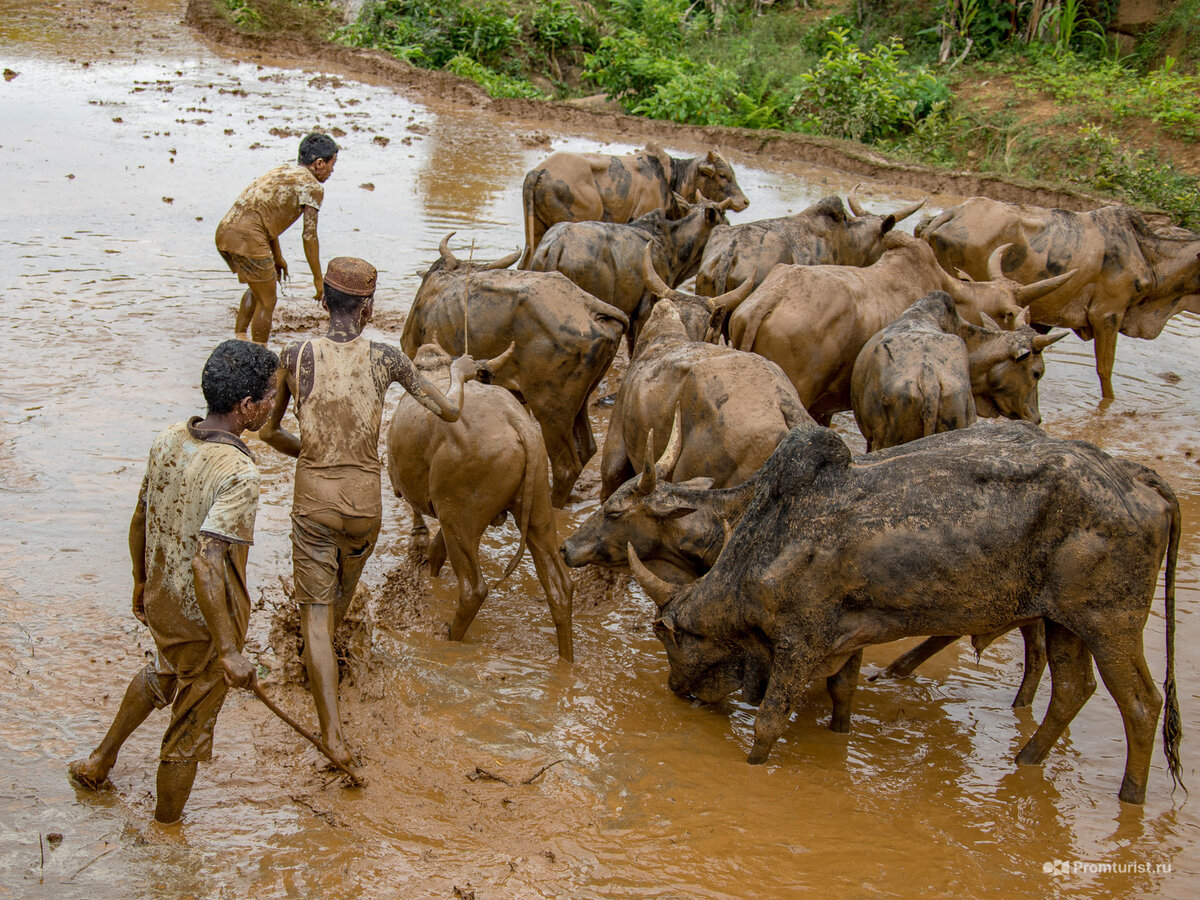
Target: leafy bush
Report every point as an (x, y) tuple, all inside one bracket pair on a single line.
[(432, 32), (864, 96), (1139, 178), (557, 26), (496, 84), (629, 69)]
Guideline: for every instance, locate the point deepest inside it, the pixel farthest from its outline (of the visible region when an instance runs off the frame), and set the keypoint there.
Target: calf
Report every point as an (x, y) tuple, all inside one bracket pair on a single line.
[(472, 473)]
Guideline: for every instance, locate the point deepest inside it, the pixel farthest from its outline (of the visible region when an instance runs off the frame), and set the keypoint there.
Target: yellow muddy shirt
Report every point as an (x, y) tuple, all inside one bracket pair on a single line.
[(196, 482), (266, 209), (338, 467)]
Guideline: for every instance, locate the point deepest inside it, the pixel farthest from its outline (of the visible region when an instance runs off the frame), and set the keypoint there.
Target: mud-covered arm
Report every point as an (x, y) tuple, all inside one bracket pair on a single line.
[(312, 249), (273, 433), (447, 406), (208, 574), (281, 269), (137, 555)]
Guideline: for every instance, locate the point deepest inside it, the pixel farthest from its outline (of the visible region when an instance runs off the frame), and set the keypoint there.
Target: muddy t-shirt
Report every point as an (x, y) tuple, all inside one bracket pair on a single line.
[(196, 482), (268, 208), (338, 467)]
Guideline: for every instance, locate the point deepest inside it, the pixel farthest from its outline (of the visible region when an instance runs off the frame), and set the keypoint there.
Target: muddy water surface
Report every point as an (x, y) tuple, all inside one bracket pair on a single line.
[(124, 141)]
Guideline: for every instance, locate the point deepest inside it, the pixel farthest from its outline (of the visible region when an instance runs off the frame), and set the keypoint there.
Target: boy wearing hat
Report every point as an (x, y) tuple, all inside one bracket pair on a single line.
[(248, 235), (339, 382)]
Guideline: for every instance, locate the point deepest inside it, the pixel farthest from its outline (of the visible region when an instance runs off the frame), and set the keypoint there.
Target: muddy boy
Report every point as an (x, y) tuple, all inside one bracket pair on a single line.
[(248, 235)]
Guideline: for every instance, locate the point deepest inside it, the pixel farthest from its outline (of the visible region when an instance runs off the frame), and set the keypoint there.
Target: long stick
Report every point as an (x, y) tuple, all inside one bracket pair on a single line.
[(257, 690), (467, 301)]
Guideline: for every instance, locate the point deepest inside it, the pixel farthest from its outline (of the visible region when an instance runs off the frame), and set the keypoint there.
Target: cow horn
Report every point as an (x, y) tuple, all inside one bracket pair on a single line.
[(728, 529), (670, 456), (444, 250), (852, 201), (656, 588), (1027, 293), (1042, 341), (963, 276), (505, 262), (904, 212), (995, 272), (491, 365), (733, 299), (650, 275), (649, 477)]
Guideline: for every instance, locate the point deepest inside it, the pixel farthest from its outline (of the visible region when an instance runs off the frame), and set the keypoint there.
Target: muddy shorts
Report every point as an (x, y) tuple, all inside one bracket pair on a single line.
[(194, 706), (247, 269), (327, 560)]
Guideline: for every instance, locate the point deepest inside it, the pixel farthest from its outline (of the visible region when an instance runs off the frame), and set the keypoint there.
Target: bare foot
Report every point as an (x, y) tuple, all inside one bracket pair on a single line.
[(91, 773), (341, 752)]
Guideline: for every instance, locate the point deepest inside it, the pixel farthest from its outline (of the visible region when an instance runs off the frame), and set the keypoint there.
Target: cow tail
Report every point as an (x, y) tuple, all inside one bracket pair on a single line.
[(758, 312), (1172, 728), (528, 189), (527, 488), (931, 400)]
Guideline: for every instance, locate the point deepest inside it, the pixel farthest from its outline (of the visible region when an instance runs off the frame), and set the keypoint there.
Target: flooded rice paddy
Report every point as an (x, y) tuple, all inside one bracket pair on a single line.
[(492, 768)]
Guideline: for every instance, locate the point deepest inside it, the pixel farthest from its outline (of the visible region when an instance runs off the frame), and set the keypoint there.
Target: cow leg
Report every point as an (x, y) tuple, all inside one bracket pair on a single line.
[(472, 589), (552, 573), (841, 687), (1104, 328), (1035, 663), (1129, 680), (791, 668), (904, 665), (418, 540), (585, 440), (1072, 683), (564, 465)]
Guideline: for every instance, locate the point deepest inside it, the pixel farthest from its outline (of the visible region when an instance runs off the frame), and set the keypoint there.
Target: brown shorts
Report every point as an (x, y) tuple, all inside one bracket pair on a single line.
[(194, 707), (247, 269), (328, 555)]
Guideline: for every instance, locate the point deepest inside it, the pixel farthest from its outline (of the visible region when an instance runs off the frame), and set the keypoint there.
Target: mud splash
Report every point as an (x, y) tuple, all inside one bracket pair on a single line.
[(492, 768)]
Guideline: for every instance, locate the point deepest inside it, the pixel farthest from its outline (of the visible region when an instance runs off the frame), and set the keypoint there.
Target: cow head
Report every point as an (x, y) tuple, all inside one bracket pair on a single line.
[(857, 241), (448, 262), (715, 178), (701, 317), (1006, 367), (1005, 300)]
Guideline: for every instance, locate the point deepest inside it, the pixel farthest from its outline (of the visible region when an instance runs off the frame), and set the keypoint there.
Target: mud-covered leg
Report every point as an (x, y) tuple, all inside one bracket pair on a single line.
[(1129, 681), (564, 465), (1071, 684), (1105, 327), (245, 313), (264, 309), (841, 687), (472, 589), (1035, 663), (560, 592), (790, 670), (136, 706), (904, 665)]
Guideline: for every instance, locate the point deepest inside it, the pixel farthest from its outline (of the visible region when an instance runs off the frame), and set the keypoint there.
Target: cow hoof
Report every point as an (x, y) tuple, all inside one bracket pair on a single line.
[(757, 757)]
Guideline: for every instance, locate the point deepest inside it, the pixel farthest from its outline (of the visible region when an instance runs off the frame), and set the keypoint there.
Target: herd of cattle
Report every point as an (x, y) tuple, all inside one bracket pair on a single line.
[(775, 556)]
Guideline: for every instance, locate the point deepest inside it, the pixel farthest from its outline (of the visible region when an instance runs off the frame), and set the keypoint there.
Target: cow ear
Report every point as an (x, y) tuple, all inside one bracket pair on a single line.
[(701, 483), (1020, 354), (888, 223)]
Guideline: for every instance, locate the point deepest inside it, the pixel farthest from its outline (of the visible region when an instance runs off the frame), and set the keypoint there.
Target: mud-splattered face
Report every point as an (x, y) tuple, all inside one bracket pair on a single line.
[(323, 168), (258, 411)]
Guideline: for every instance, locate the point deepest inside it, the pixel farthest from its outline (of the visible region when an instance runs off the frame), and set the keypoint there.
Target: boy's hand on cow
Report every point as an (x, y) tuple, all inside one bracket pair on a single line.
[(465, 368)]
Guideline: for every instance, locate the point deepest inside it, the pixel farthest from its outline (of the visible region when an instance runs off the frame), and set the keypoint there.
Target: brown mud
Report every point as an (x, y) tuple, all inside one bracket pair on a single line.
[(492, 769)]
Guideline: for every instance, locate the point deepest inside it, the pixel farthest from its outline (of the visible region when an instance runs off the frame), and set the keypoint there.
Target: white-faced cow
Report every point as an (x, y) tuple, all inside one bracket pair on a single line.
[(605, 258), (731, 407), (932, 371), (946, 535), (470, 474), (565, 340), (1129, 279), (814, 320), (822, 234), (578, 187)]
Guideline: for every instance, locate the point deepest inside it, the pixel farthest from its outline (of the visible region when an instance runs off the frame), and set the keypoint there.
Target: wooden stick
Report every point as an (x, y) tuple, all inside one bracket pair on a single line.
[(467, 301), (258, 692)]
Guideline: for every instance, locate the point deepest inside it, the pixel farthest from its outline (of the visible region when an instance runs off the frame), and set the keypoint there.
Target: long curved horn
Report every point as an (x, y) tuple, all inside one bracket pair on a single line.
[(657, 286), (649, 477), (852, 201), (1027, 293), (505, 262), (670, 456), (904, 212), (995, 273), (1042, 341), (444, 250), (656, 588), (497, 361), (731, 300)]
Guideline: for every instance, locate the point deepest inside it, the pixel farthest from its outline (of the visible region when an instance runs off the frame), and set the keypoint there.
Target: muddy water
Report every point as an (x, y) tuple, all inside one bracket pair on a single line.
[(124, 141)]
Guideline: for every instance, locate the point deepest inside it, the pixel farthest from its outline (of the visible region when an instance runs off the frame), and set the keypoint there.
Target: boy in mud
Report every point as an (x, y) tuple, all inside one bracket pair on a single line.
[(339, 382), (189, 539), (248, 236)]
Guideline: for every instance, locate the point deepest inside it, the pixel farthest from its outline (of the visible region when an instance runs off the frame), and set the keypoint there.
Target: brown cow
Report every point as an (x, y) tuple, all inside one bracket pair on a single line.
[(605, 258), (1129, 279), (731, 407), (822, 234), (472, 473), (932, 371), (814, 320), (565, 340), (578, 187)]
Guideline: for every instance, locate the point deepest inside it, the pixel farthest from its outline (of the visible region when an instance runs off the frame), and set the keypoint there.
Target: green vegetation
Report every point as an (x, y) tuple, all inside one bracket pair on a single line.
[(909, 77)]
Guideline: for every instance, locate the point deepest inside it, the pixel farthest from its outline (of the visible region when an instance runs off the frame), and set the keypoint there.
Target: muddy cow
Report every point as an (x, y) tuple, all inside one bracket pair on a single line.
[(1129, 278), (605, 258), (731, 408), (470, 474), (814, 320), (565, 340), (822, 234), (578, 187), (932, 371), (946, 535)]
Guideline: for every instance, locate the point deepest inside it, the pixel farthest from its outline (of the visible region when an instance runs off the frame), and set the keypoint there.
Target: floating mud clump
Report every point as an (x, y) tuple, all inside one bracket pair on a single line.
[(402, 601), (599, 587), (351, 643)]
